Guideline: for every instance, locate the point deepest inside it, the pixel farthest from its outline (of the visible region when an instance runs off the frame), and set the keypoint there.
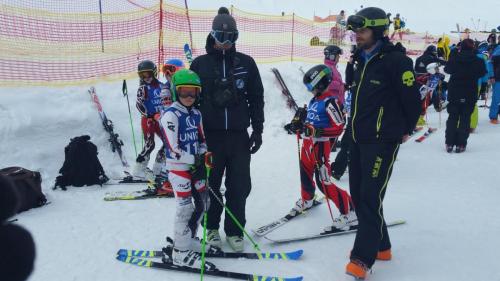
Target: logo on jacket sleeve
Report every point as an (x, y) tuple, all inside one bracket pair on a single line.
[(408, 78)]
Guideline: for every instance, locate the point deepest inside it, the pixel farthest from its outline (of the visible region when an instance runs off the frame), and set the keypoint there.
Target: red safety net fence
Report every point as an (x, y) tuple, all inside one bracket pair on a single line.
[(69, 42)]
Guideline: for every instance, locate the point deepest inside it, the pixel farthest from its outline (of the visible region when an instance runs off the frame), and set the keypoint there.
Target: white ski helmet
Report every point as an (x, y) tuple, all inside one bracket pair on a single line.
[(432, 68)]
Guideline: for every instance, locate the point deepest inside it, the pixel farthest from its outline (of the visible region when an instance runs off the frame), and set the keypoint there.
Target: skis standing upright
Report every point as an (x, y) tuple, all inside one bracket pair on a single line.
[(188, 53), (116, 143), (292, 104)]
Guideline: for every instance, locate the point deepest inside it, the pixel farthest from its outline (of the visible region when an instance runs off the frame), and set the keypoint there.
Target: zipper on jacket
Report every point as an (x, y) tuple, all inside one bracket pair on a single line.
[(224, 76), (379, 119), (357, 93)]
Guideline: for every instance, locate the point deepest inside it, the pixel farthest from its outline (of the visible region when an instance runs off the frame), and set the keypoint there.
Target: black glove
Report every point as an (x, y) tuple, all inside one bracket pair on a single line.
[(198, 168), (311, 131), (255, 142), (297, 122)]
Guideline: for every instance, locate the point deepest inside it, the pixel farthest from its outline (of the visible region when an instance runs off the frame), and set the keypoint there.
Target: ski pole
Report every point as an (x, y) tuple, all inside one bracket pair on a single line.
[(125, 94), (208, 169), (325, 191)]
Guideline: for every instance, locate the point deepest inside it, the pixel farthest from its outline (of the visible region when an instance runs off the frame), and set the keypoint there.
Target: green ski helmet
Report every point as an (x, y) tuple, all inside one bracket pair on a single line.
[(184, 78)]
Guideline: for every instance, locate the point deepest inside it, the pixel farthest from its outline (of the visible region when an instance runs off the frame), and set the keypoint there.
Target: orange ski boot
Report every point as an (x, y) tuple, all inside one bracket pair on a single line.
[(357, 269), (385, 255)]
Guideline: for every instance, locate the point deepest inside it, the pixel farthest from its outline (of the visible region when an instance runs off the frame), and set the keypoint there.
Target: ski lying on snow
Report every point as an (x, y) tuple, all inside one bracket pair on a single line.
[(216, 272), (265, 229), (128, 178), (326, 233), (295, 255), (147, 193), (426, 134)]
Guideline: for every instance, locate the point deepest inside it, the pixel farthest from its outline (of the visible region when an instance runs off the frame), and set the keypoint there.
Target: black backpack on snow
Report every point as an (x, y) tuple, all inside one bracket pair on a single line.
[(81, 165), (28, 185)]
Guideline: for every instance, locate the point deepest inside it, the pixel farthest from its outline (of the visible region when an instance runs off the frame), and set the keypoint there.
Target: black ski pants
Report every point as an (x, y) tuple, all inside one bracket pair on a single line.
[(458, 123), (370, 169), (231, 154)]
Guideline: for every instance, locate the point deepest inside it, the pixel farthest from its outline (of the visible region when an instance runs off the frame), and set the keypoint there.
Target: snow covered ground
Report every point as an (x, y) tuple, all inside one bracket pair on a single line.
[(450, 202)]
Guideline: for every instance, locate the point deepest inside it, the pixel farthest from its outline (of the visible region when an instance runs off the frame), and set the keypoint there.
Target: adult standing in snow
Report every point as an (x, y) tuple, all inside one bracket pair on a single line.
[(495, 99), (398, 28), (385, 109), (232, 100), (465, 69)]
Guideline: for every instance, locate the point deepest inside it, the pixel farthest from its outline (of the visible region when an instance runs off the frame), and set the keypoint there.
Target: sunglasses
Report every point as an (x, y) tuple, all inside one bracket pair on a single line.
[(224, 37), (356, 22)]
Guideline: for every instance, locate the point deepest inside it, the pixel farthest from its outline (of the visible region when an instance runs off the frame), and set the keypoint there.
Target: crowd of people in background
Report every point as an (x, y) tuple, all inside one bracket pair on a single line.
[(202, 115)]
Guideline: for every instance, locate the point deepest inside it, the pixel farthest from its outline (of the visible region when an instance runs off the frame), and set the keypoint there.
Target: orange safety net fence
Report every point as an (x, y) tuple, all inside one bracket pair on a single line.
[(69, 42)]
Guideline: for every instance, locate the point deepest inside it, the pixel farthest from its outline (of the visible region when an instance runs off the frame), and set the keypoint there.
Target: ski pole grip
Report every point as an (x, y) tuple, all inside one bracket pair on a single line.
[(208, 160)]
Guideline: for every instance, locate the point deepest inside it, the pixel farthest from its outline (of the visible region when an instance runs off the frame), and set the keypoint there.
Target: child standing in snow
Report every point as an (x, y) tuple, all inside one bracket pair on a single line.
[(323, 120), (186, 155)]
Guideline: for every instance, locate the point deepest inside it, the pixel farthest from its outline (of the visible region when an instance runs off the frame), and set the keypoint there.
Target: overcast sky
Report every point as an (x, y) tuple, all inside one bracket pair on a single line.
[(435, 16)]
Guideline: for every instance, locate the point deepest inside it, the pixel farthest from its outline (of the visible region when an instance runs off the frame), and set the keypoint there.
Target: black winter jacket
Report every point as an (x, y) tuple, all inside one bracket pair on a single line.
[(386, 101), (465, 69), (232, 91), (424, 60)]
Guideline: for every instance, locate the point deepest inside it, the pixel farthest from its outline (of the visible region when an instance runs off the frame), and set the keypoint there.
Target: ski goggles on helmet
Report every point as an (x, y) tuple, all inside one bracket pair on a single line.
[(170, 69), (224, 37), (356, 22), (188, 91)]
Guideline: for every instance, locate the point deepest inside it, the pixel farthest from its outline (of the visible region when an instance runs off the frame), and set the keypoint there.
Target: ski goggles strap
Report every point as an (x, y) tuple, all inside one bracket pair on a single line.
[(224, 37), (356, 22)]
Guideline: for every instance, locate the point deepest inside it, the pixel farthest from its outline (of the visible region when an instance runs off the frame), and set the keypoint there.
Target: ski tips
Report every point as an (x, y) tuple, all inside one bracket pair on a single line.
[(295, 255), (121, 257), (294, 279), (122, 252)]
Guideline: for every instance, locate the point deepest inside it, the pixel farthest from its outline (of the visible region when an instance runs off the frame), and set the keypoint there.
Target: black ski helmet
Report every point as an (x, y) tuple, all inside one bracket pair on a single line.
[(431, 49), (318, 78), (145, 66), (371, 17), (331, 51)]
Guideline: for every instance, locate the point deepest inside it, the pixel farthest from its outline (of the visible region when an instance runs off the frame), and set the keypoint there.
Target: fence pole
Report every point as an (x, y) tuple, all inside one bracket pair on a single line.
[(293, 32), (189, 25), (160, 37), (102, 28)]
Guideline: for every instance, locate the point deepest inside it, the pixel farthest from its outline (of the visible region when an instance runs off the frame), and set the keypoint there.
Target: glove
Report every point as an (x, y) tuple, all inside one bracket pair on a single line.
[(298, 121), (198, 168), (255, 142), (150, 121), (310, 131), (157, 117), (323, 174), (292, 128)]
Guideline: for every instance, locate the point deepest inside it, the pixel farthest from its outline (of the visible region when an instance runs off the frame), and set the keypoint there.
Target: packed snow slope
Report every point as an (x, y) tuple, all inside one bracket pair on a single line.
[(450, 201)]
